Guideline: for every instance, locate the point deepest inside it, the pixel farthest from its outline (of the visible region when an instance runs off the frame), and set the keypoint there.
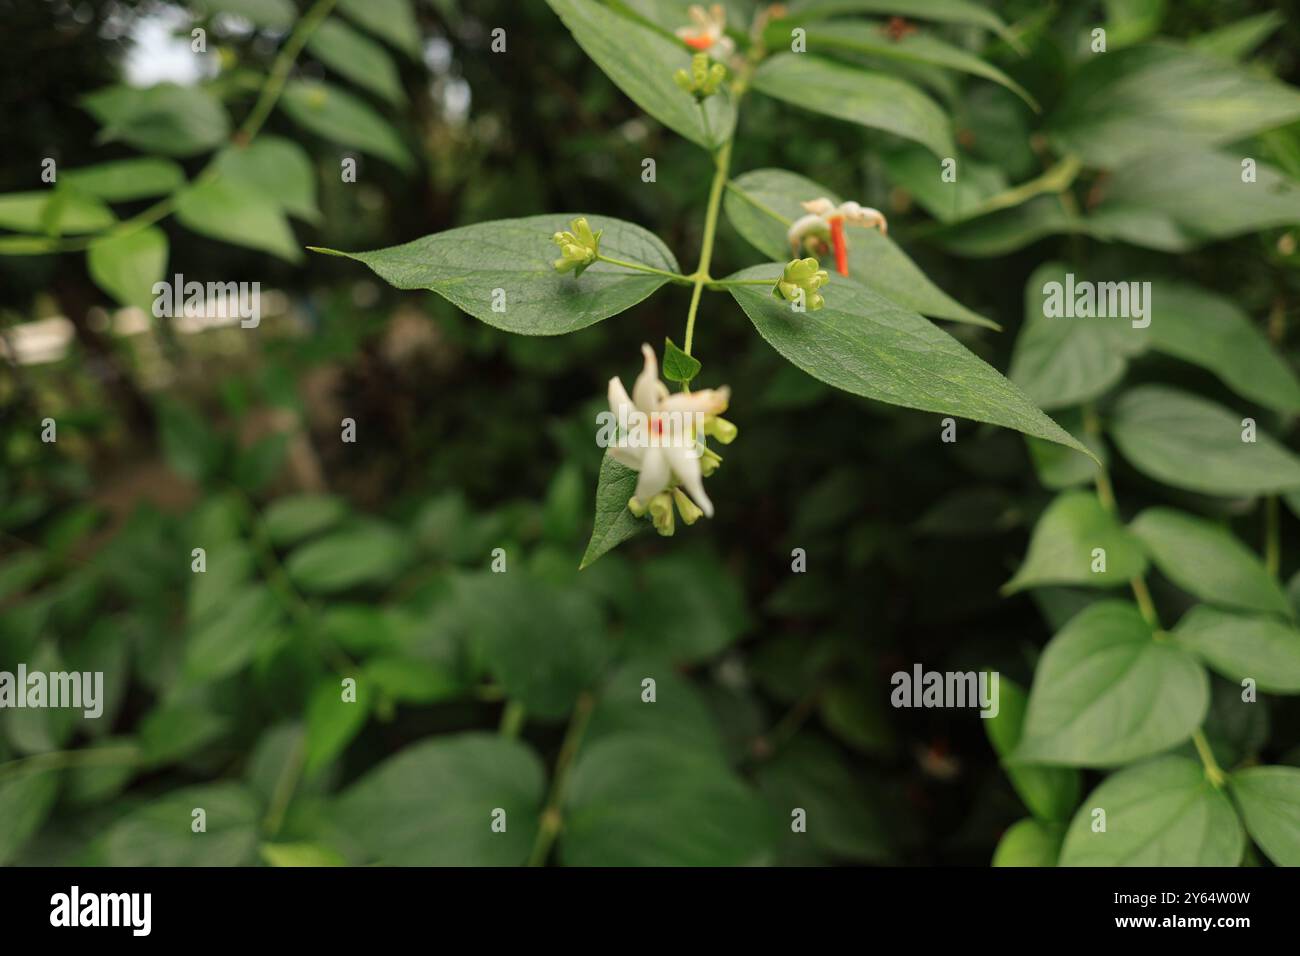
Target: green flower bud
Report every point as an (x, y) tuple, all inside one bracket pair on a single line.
[(634, 506), (688, 509), (661, 513), (709, 462), (805, 274), (579, 246), (703, 79), (717, 427)]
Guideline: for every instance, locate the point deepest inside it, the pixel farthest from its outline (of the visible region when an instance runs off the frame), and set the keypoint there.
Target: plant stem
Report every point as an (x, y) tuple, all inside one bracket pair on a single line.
[(722, 162), (512, 719), (1213, 772), (1272, 536), (552, 819), (729, 283), (675, 276)]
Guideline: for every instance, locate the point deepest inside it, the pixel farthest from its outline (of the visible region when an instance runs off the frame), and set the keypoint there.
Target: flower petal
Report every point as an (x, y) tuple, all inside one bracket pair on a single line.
[(647, 390), (685, 463), (709, 401), (618, 397), (655, 474)]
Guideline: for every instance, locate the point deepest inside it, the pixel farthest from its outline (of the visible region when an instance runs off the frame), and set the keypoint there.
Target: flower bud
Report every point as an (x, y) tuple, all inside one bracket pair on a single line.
[(709, 462), (579, 245), (702, 80), (661, 513), (689, 511), (634, 506), (805, 274), (718, 427)]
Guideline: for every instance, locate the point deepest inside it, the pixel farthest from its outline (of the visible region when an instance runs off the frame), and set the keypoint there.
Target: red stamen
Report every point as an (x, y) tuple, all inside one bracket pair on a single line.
[(698, 43), (841, 250)]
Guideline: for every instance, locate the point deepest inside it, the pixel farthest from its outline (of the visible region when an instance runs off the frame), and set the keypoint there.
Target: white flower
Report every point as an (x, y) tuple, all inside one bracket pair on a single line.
[(823, 228), (709, 33), (663, 464)]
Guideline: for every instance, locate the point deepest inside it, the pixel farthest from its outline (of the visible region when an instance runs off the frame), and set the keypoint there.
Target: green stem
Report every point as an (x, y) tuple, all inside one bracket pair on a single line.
[(1272, 536), (512, 719), (729, 283), (552, 817), (675, 276), (722, 162), (1213, 772)]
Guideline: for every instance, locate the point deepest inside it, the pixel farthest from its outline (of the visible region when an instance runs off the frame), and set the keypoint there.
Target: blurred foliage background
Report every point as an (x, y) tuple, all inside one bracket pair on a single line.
[(328, 558)]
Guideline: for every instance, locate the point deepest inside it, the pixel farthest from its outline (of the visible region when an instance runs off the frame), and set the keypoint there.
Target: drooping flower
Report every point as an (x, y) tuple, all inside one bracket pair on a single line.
[(822, 230), (708, 32), (703, 80), (579, 247), (668, 452), (800, 282)]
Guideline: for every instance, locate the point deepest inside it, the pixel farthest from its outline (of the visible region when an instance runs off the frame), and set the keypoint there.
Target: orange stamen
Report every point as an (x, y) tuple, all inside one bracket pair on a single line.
[(698, 43), (841, 250)]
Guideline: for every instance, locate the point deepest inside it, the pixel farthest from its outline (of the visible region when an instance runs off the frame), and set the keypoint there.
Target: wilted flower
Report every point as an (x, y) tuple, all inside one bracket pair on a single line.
[(579, 245), (703, 80), (823, 229), (801, 279), (708, 32), (664, 464)]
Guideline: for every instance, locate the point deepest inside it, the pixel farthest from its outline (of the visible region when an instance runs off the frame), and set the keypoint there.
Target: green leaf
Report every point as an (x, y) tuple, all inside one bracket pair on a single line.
[(432, 804), (291, 519), (642, 62), (126, 179), (168, 119), (1106, 692), (468, 266), (72, 215), (332, 722), (1162, 97), (410, 680), (845, 820), (1237, 40), (763, 203), (1059, 467), (617, 813), (1177, 201), (224, 210), (1060, 361), (1209, 330), (338, 116), (1190, 443), (276, 170), (1160, 813), (390, 20), (543, 644), (361, 60), (227, 641), (873, 39), (1269, 798), (918, 172), (1206, 560), (275, 14), (700, 608), (229, 565), (1007, 230), (178, 729), (867, 345), (1029, 843), (300, 854), (1131, 21), (871, 99), (25, 802), (126, 266), (160, 833), (614, 522), (677, 365), (1241, 646), (941, 11), (369, 553), (677, 713), (1050, 793)]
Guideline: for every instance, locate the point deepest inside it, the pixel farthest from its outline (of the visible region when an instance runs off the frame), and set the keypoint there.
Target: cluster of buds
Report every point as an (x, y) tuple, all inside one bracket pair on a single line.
[(671, 473), (822, 230), (703, 80), (708, 32), (579, 247), (800, 282)]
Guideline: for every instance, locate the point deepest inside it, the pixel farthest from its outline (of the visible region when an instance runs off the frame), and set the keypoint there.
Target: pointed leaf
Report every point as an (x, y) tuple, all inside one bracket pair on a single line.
[(342, 118), (127, 266), (1241, 646), (1062, 548), (1269, 798)]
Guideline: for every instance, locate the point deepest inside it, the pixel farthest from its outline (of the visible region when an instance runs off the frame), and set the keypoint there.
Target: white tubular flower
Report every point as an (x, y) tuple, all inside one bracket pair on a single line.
[(665, 452), (708, 32), (823, 228)]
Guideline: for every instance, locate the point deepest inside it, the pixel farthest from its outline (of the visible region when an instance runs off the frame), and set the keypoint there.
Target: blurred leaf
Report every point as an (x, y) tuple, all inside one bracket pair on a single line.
[(1207, 561), (290, 519), (20, 571), (1163, 97), (76, 213), (855, 714), (1269, 798), (1132, 21), (364, 62), (227, 642), (511, 262), (1007, 230), (864, 344), (336, 115), (1061, 549), (168, 119), (178, 729), (677, 713), (1238, 39), (228, 567), (408, 680), (25, 802), (871, 99), (192, 448), (123, 180), (161, 834), (228, 211), (618, 814), (1050, 793), (1241, 646), (920, 174), (1187, 442), (614, 522), (390, 20), (275, 170), (1160, 813), (300, 854), (1106, 692), (276, 14), (94, 781), (367, 554), (942, 11), (390, 814), (694, 608), (641, 62), (1029, 843), (126, 266), (1059, 467), (333, 722)]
